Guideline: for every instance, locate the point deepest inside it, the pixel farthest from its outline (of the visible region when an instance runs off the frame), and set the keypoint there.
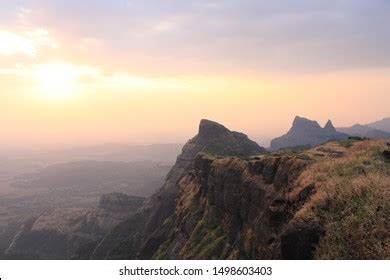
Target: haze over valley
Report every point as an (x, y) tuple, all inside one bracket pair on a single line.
[(40, 182)]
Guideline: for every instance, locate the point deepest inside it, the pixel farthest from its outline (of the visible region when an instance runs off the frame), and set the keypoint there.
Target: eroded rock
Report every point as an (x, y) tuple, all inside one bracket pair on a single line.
[(299, 240)]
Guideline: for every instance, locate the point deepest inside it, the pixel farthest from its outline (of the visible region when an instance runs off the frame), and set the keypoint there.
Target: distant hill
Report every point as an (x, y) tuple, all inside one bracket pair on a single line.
[(166, 153), (364, 131), (83, 177), (381, 125), (308, 133), (65, 233)]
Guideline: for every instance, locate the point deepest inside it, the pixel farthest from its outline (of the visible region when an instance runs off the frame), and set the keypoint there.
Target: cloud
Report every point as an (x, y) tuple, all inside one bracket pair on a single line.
[(27, 44), (11, 44), (227, 35)]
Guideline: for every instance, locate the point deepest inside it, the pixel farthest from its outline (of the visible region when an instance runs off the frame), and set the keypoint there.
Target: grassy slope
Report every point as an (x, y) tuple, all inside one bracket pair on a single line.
[(352, 200)]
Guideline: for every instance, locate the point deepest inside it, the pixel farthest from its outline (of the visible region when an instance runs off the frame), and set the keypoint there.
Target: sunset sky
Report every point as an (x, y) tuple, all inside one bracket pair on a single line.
[(94, 71)]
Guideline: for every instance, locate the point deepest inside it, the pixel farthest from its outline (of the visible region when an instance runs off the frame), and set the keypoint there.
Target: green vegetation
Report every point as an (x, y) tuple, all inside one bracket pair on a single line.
[(348, 143), (350, 201), (291, 152), (206, 242), (221, 149), (162, 253), (212, 249)]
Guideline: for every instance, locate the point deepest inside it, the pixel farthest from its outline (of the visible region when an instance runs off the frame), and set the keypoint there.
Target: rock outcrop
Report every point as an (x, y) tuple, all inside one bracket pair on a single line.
[(386, 155), (213, 138), (119, 202), (141, 235), (307, 133), (66, 233), (226, 199), (284, 206), (230, 208)]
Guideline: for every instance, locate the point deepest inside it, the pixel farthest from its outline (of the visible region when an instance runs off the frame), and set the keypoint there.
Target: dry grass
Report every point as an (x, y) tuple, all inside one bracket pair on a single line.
[(352, 202)]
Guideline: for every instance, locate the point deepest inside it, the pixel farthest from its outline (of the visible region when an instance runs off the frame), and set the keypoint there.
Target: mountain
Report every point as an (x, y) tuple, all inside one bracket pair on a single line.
[(63, 233), (143, 233), (68, 185), (364, 131), (225, 198), (383, 125), (287, 205), (308, 133)]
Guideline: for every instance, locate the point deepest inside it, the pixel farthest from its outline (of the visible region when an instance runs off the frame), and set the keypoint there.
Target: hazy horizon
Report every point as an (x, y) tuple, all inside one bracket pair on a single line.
[(141, 72), (53, 146)]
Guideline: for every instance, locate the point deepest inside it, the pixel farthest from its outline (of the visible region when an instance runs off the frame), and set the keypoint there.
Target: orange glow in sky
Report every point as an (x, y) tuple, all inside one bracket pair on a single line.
[(64, 84)]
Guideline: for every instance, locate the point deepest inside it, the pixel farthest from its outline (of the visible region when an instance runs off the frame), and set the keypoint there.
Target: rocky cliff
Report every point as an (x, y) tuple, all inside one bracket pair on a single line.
[(328, 202), (230, 208), (226, 198), (142, 234), (307, 133)]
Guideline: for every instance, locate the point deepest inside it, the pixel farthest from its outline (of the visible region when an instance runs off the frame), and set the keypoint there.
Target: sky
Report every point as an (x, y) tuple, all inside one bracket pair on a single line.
[(90, 72)]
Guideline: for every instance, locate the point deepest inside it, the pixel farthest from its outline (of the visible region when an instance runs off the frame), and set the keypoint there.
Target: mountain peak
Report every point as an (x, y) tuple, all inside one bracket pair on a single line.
[(214, 138), (305, 132), (303, 123), (299, 119), (329, 126), (209, 128)]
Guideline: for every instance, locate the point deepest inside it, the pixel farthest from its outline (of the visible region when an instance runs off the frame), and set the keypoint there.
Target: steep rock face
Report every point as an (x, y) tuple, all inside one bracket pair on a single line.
[(233, 209), (212, 138), (66, 233), (309, 133), (364, 131), (318, 203), (133, 238)]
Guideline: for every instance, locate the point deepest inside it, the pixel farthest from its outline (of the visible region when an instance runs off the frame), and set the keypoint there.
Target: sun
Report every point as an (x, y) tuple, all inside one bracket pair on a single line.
[(58, 81)]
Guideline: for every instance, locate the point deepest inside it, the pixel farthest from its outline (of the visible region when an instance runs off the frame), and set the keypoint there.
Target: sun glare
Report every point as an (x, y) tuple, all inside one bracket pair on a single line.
[(11, 44), (58, 80)]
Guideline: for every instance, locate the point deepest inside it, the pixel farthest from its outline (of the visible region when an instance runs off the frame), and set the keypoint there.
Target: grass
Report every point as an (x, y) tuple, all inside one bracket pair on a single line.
[(162, 253), (206, 242), (212, 249), (356, 220), (352, 202), (216, 149), (291, 152), (349, 143)]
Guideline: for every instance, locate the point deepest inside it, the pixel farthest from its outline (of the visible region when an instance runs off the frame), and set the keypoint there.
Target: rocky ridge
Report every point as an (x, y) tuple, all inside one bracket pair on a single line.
[(285, 205), (141, 235), (307, 133), (64, 233)]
